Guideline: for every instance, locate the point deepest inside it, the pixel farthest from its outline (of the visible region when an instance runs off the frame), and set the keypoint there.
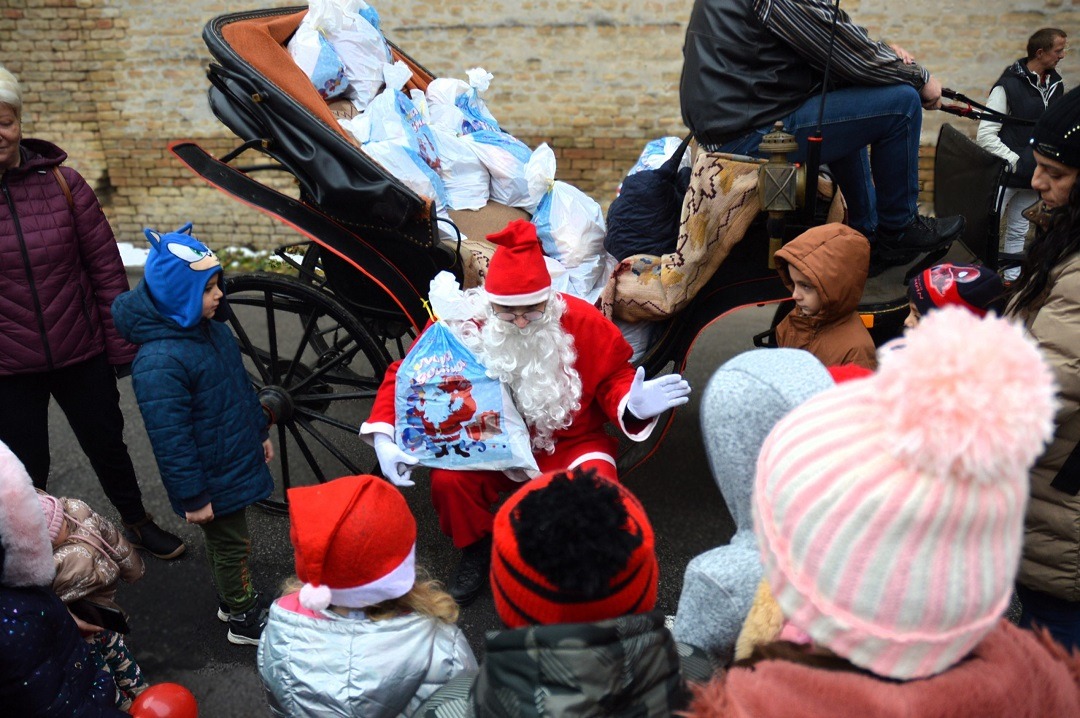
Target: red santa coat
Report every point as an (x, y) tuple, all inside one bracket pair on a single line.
[(603, 363)]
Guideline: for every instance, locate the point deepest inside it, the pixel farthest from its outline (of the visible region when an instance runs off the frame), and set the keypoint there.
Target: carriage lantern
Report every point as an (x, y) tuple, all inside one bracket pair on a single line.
[(779, 184)]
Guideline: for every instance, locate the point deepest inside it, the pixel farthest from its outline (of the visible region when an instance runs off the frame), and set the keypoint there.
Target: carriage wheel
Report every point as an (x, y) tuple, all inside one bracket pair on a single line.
[(316, 367)]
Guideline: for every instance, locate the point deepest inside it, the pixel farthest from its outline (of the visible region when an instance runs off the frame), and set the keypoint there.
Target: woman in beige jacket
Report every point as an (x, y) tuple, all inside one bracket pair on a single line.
[(1046, 298)]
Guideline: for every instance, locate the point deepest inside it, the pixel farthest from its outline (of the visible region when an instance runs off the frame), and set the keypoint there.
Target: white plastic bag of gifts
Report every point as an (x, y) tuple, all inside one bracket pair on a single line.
[(468, 184), (392, 116), (570, 225), (317, 58), (360, 45), (504, 156), (450, 414), (458, 106)]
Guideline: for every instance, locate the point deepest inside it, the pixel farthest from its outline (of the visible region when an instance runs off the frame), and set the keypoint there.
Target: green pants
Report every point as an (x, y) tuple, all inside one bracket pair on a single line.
[(227, 548)]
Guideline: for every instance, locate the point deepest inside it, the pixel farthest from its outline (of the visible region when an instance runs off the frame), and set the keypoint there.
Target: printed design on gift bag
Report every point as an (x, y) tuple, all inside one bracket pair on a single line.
[(450, 414)]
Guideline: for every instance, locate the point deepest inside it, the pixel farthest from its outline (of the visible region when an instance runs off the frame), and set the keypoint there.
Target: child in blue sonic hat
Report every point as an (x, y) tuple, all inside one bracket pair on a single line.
[(207, 428)]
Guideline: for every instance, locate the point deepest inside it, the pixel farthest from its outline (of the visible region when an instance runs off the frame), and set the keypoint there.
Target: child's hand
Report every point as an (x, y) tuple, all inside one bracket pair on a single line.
[(268, 450), (203, 516), (86, 629)]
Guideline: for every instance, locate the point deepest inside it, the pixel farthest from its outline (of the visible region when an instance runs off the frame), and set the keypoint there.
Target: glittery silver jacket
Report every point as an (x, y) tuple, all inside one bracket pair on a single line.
[(323, 664)]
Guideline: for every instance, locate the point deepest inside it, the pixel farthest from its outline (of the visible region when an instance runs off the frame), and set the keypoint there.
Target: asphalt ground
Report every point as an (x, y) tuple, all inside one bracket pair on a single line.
[(177, 637)]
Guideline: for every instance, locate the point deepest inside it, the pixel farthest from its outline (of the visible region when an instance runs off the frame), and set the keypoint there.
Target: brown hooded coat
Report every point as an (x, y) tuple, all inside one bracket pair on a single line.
[(835, 259)]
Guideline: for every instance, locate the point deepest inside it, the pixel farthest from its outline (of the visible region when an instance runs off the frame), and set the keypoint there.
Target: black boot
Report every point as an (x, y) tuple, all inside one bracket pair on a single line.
[(147, 535), (893, 247), (472, 572)]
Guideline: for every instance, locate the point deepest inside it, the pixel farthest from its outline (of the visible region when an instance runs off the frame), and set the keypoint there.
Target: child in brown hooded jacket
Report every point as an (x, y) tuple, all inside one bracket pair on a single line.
[(825, 268)]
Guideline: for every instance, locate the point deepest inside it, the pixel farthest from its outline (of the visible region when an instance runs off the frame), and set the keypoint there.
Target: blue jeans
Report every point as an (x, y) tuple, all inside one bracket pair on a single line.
[(1060, 617), (886, 119)]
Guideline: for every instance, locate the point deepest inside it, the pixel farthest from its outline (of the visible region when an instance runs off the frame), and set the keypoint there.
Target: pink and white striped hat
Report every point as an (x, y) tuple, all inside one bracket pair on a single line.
[(890, 511)]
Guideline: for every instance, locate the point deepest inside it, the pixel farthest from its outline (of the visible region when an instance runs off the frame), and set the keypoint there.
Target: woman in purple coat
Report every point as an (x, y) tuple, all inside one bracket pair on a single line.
[(60, 271)]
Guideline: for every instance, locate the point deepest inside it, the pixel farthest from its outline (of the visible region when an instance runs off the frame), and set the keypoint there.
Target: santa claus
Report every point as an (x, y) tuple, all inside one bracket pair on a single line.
[(568, 370)]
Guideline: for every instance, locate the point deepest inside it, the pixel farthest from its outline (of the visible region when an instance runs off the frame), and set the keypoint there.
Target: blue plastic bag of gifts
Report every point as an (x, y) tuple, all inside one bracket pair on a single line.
[(451, 415)]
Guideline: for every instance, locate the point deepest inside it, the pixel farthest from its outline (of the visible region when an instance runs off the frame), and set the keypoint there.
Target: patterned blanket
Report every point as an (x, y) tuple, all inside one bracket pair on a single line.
[(719, 206)]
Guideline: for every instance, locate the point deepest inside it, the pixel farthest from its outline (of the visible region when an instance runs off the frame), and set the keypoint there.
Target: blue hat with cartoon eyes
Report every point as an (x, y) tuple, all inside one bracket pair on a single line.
[(176, 273)]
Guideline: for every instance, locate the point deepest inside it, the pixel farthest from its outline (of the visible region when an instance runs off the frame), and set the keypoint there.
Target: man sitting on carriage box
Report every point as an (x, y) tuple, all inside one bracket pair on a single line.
[(749, 63), (569, 371)]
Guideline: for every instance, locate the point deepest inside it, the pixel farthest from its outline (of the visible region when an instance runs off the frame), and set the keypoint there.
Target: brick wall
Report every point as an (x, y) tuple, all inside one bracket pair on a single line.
[(114, 82)]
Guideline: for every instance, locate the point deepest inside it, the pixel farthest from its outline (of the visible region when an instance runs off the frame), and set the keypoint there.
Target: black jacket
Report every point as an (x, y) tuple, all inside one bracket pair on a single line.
[(1026, 101)]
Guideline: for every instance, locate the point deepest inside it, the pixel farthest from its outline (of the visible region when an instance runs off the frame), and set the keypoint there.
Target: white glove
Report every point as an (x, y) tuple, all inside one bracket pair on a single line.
[(655, 396), (395, 464)]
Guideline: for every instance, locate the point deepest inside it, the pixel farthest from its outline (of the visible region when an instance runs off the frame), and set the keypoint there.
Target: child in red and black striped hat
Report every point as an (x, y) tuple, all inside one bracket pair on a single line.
[(574, 576)]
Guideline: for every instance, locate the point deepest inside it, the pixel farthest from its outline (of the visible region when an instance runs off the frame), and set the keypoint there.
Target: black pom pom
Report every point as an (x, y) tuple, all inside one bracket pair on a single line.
[(574, 533)]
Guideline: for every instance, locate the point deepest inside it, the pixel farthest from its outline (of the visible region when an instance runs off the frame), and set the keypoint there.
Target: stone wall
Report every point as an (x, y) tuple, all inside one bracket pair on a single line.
[(114, 82)]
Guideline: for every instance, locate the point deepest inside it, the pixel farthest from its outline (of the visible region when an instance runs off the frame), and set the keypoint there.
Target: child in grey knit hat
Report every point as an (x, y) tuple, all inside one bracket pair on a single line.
[(742, 402)]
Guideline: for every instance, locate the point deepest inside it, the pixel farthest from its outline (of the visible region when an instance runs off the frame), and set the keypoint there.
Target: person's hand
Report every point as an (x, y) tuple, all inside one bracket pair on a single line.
[(906, 57), (122, 370), (86, 629), (931, 94), (655, 396), (518, 475), (268, 450), (394, 463), (203, 516)]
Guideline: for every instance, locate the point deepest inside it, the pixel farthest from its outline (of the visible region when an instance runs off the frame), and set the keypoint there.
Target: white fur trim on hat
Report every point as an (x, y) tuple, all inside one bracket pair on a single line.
[(521, 300), (28, 556), (393, 585)]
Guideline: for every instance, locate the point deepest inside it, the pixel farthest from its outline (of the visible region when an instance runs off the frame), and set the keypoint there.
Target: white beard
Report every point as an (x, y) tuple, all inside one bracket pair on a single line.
[(536, 363)]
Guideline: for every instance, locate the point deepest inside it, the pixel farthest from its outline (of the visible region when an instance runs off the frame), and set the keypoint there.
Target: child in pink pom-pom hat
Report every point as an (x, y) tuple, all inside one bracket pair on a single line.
[(362, 634), (889, 512)]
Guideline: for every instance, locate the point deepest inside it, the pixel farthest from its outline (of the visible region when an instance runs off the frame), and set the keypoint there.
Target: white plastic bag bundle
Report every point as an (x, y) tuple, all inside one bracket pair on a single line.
[(477, 117), (441, 96), (360, 45), (409, 167), (468, 184), (569, 223), (457, 105), (317, 58), (504, 156), (657, 152), (393, 117), (587, 280)]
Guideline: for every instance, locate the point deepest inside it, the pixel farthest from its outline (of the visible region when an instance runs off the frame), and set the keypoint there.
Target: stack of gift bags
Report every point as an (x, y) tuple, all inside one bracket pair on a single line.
[(445, 143)]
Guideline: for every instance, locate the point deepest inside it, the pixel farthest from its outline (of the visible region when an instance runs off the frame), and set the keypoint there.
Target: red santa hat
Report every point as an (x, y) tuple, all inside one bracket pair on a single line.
[(354, 540), (517, 275)]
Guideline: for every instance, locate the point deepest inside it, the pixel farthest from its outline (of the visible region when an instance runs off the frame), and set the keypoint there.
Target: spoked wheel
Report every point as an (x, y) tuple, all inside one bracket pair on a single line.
[(316, 367)]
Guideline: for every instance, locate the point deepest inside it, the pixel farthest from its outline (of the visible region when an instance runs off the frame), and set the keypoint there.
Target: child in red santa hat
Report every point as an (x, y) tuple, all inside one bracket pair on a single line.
[(363, 635)]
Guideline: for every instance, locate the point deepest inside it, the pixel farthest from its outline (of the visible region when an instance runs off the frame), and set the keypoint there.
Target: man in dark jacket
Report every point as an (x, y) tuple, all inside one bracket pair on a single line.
[(751, 63), (1025, 90), (574, 576)]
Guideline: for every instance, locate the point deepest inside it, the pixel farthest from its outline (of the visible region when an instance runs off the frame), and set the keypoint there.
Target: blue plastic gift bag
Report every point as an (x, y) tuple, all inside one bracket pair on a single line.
[(450, 414)]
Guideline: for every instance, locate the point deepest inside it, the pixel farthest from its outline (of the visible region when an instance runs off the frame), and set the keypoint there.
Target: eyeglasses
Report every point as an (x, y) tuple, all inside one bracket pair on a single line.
[(533, 316)]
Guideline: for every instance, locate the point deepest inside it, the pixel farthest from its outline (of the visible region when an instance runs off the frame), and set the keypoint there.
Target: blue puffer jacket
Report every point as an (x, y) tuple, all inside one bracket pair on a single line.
[(202, 416), (45, 665)]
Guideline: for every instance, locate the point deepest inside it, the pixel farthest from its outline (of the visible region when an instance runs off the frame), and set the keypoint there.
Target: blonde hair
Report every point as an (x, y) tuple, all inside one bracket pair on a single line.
[(10, 94), (427, 597)]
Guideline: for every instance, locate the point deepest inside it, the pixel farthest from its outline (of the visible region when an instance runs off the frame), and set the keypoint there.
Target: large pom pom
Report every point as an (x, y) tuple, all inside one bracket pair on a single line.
[(315, 598), (967, 397)]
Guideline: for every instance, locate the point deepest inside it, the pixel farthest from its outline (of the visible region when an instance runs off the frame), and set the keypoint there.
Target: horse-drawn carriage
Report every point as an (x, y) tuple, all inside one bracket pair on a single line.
[(318, 338)]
